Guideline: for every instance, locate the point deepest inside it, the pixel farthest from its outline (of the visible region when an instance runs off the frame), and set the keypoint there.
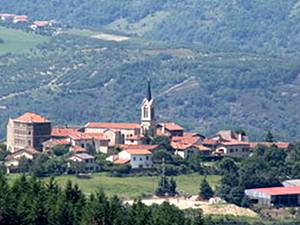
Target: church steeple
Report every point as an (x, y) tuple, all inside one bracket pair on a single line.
[(149, 95), (148, 112)]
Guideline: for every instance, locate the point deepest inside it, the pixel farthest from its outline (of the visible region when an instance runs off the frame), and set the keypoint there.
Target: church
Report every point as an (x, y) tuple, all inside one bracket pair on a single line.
[(134, 133)]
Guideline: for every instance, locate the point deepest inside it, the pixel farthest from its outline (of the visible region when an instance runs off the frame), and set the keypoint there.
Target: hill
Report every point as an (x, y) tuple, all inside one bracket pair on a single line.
[(268, 27), (77, 78)]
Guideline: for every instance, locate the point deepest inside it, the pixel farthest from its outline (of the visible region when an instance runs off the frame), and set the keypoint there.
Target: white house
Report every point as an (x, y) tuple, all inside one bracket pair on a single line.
[(86, 162), (233, 149), (137, 158), (13, 160)]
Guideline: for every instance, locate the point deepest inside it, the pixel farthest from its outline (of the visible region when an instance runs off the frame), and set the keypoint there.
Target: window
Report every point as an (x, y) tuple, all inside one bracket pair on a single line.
[(146, 112), (29, 143), (141, 159), (134, 158), (147, 157), (82, 145), (231, 150)]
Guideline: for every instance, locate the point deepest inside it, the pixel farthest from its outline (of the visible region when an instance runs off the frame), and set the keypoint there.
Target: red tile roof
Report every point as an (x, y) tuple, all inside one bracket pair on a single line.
[(181, 145), (7, 15), (59, 141), (134, 137), (138, 151), (127, 126), (86, 136), (63, 132), (32, 118), (233, 143), (22, 17), (209, 141), (121, 161), (41, 23), (146, 147), (190, 140), (172, 126), (77, 149), (189, 134), (279, 190), (28, 150)]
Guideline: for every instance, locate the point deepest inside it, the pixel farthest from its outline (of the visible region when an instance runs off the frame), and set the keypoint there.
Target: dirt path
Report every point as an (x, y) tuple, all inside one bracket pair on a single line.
[(208, 209)]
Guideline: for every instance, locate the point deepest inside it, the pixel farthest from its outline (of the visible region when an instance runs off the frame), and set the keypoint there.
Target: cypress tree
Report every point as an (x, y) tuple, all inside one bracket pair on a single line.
[(206, 191)]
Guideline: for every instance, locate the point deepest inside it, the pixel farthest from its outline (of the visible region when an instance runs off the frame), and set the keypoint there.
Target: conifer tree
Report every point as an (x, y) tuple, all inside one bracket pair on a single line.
[(206, 191)]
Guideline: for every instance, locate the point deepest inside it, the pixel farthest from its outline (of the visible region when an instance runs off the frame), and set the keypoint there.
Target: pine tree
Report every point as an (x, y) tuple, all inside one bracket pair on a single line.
[(269, 137), (173, 186), (206, 191)]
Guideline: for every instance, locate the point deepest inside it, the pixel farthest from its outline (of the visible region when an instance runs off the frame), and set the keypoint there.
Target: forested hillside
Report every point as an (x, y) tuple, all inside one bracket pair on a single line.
[(258, 26), (213, 64)]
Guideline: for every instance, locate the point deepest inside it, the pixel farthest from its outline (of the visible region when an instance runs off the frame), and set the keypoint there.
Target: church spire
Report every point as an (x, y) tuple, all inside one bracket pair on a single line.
[(149, 95)]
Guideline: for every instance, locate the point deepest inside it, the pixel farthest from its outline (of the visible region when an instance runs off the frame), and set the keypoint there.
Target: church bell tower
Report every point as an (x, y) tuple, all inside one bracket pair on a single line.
[(148, 124)]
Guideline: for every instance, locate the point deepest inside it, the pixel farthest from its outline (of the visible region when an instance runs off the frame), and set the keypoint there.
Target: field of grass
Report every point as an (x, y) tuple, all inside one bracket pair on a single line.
[(132, 187), (17, 41)]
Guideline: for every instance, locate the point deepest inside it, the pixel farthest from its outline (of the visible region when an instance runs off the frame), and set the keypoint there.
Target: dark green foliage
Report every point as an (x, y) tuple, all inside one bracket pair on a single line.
[(206, 191), (91, 149), (60, 150), (166, 187), (269, 137)]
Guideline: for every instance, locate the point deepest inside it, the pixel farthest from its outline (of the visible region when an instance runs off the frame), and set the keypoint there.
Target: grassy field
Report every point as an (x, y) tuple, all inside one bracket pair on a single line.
[(17, 41), (132, 187)]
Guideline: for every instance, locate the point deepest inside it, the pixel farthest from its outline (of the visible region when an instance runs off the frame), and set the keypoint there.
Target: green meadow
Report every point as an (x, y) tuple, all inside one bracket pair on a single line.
[(17, 41), (131, 187)]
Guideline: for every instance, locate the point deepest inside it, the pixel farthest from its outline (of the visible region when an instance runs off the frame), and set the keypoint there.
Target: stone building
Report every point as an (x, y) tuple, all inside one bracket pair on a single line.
[(28, 130)]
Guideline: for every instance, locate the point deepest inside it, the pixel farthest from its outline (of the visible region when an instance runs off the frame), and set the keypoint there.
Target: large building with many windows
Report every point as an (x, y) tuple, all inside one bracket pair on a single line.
[(28, 130)]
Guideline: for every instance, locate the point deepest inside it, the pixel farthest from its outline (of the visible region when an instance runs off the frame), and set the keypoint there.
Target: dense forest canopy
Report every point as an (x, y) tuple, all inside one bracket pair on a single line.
[(258, 26), (213, 64)]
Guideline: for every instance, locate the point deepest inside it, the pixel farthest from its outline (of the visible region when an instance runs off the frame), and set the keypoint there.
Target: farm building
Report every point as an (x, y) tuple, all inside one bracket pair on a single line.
[(275, 196)]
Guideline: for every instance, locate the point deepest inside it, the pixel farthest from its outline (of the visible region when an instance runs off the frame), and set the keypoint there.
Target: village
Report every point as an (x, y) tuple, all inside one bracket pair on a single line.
[(46, 27), (131, 145)]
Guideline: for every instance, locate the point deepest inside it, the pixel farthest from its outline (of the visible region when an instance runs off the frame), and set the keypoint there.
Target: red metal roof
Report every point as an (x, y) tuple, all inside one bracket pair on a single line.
[(279, 190)]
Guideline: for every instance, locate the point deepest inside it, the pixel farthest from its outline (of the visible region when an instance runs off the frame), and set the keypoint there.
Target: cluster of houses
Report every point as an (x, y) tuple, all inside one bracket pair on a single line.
[(30, 134), (24, 20)]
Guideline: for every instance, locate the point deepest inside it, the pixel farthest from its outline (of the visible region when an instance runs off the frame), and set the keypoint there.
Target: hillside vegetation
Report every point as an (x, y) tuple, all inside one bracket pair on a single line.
[(213, 64), (254, 26)]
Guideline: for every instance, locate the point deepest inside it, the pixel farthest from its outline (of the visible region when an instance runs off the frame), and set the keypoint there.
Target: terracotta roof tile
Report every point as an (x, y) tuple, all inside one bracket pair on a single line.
[(138, 151), (172, 126), (63, 131), (128, 126), (121, 161), (146, 147), (32, 118)]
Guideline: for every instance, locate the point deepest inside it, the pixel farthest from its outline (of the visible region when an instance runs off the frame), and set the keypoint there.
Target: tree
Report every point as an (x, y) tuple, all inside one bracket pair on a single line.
[(60, 150), (91, 148), (206, 191), (269, 137), (173, 187)]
